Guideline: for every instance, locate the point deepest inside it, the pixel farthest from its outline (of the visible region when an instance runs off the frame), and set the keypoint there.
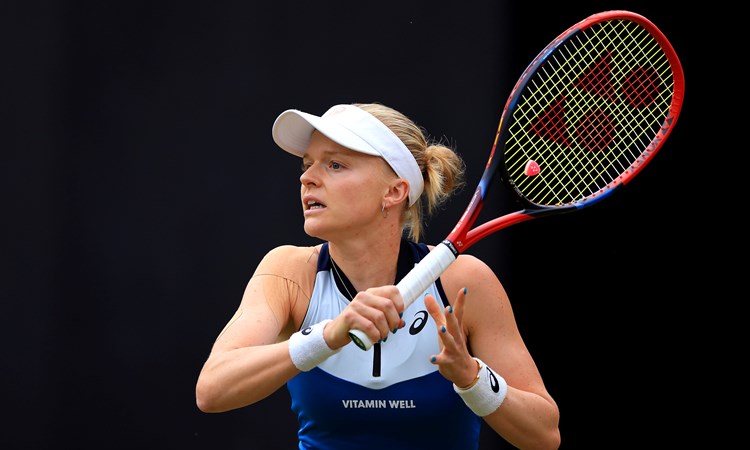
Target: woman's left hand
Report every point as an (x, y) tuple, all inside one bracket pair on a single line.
[(454, 360)]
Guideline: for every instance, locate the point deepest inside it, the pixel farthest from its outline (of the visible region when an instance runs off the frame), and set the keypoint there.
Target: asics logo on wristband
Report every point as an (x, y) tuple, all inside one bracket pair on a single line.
[(494, 384)]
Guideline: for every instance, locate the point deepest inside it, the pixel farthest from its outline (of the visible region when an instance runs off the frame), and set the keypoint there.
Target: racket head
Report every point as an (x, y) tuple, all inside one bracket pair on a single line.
[(588, 114)]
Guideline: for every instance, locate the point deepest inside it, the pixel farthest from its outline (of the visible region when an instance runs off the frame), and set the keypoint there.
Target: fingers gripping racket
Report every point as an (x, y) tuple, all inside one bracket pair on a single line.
[(585, 117)]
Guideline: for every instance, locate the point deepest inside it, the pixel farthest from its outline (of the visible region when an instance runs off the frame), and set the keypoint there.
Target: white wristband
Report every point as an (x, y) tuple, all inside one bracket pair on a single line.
[(487, 392), (308, 347)]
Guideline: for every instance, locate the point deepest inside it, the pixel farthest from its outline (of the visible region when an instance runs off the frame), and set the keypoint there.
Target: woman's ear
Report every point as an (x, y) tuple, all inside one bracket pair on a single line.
[(398, 192)]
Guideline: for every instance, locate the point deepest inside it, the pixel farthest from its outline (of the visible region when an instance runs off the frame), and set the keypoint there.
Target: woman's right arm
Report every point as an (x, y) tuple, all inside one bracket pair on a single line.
[(250, 358)]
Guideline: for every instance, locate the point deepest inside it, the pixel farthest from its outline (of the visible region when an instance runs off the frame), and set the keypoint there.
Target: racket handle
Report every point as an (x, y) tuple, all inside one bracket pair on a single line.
[(416, 282)]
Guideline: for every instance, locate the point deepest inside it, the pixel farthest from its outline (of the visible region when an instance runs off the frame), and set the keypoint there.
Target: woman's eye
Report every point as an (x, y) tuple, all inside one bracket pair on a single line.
[(335, 165)]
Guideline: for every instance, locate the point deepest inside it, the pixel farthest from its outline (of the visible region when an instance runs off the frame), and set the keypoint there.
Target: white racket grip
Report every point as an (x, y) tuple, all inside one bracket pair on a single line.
[(416, 282), (425, 273)]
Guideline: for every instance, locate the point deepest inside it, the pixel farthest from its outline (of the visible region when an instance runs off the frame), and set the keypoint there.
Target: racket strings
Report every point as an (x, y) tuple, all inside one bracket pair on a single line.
[(594, 129), (589, 113)]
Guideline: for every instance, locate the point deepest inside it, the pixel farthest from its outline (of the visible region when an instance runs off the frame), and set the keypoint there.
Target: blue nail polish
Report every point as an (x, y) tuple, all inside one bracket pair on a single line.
[(443, 329), (450, 309), (401, 314), (433, 359), (385, 339), (379, 341), (464, 291), (395, 329)]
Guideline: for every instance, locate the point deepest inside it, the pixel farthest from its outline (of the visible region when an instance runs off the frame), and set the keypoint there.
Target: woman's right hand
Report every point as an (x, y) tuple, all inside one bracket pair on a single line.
[(376, 312)]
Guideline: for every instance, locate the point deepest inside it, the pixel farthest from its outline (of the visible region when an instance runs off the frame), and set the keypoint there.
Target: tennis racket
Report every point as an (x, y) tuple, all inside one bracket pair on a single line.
[(585, 117)]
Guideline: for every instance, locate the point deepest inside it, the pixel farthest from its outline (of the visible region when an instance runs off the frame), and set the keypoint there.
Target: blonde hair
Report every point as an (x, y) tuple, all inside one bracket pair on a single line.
[(442, 168)]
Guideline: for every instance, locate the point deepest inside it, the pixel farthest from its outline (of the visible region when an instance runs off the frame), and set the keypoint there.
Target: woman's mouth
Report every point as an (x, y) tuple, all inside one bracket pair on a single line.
[(313, 205)]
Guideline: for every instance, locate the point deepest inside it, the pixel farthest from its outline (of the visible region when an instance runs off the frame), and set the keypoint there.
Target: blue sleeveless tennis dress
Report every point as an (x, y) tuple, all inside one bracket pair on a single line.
[(388, 397)]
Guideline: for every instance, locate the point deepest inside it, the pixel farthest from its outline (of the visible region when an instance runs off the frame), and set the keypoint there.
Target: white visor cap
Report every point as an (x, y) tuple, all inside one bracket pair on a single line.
[(355, 129)]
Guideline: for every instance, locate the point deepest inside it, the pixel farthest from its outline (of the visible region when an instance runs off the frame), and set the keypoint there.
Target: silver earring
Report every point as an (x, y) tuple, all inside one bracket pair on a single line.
[(384, 211)]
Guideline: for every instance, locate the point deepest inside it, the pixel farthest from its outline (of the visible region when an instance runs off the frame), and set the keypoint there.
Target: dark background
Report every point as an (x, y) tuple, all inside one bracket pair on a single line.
[(142, 187)]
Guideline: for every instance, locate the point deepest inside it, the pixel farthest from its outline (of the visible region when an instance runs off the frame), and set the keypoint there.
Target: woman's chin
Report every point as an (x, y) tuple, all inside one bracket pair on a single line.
[(312, 229)]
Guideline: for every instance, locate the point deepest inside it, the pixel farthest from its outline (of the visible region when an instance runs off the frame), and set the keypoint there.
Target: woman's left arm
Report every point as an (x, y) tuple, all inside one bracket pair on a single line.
[(480, 323)]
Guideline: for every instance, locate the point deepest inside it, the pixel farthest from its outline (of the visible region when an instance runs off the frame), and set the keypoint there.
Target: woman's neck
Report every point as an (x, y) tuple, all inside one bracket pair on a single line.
[(368, 265)]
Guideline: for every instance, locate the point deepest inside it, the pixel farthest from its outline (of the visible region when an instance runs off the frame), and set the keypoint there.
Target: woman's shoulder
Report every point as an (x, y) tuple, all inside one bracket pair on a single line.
[(469, 271), (293, 251), (466, 262), (286, 260)]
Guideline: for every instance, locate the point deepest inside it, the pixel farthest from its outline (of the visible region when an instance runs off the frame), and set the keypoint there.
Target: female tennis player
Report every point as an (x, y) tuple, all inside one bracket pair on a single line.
[(454, 357)]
